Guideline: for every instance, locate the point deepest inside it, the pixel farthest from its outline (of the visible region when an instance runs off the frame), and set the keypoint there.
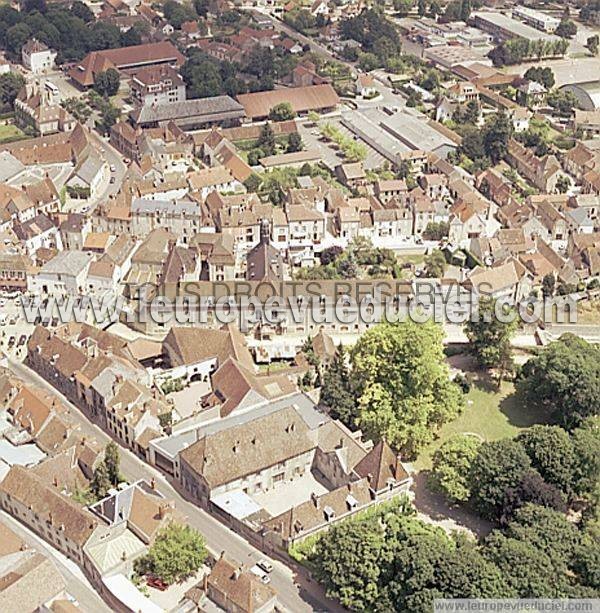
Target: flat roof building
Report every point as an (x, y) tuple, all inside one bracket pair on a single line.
[(503, 27), (536, 19)]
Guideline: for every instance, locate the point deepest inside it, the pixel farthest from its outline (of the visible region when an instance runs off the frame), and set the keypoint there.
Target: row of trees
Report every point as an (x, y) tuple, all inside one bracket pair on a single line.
[(516, 50), (353, 151), (391, 561)]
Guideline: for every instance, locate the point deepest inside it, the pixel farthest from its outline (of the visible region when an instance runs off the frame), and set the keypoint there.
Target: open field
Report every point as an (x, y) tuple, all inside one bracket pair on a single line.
[(490, 413)]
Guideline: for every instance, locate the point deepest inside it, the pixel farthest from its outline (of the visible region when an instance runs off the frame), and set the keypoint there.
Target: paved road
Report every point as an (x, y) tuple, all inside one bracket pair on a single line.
[(77, 584), (296, 592)]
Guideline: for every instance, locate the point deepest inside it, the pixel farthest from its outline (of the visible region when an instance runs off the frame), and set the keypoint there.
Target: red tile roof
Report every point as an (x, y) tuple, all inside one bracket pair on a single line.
[(125, 57)]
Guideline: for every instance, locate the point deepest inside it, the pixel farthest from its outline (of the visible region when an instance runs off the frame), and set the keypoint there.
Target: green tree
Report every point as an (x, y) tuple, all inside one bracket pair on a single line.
[(106, 83), (10, 85), (565, 378), (563, 185), (176, 554), (451, 465), (528, 572), (112, 460), (405, 392), (336, 390), (566, 28), (294, 142), (548, 531), (586, 448), (282, 112), (496, 134), (100, 481), (422, 7), (592, 44), (16, 37), (266, 140), (435, 264), (551, 452), (348, 563), (81, 10), (465, 10), (436, 231), (548, 285), (253, 183), (499, 465), (490, 336)]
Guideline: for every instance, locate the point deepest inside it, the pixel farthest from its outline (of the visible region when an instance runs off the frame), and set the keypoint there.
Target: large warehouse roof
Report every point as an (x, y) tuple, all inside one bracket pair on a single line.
[(302, 99)]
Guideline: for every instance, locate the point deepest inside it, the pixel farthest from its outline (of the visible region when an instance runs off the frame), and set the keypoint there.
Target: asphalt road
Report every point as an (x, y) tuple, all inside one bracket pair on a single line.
[(296, 591)]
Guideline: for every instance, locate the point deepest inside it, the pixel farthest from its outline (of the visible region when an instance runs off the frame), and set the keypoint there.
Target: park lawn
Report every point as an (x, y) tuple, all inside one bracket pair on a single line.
[(491, 414), (10, 132)]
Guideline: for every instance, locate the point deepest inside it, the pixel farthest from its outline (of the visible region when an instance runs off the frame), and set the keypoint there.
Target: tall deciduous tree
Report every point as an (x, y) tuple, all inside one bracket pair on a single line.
[(100, 481), (565, 377), (551, 453), (112, 461), (405, 392), (490, 336), (336, 391), (451, 465), (499, 465), (106, 83), (176, 554)]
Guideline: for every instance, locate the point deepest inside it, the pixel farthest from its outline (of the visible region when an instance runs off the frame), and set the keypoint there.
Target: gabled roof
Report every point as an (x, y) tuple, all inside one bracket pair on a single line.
[(380, 466), (31, 491), (227, 455), (239, 587)]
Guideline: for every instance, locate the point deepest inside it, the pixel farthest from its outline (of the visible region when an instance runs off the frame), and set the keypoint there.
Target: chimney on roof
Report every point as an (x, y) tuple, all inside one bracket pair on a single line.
[(237, 572), (315, 500)]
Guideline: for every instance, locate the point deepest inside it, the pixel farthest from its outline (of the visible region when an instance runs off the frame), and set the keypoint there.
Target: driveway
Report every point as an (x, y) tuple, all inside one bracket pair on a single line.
[(434, 509)]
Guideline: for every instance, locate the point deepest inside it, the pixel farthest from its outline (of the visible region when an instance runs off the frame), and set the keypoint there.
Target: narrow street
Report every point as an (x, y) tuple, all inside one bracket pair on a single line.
[(297, 593)]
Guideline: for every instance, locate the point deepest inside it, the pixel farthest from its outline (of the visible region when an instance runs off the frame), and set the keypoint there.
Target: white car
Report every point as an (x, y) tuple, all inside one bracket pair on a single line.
[(2, 302), (261, 574), (265, 565)]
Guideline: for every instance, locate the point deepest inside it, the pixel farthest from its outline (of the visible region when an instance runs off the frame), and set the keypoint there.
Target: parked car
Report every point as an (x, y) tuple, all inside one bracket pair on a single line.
[(265, 565), (157, 583), (261, 574)]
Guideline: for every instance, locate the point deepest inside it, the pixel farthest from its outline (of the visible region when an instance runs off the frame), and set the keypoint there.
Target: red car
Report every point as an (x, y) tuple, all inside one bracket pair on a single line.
[(157, 583)]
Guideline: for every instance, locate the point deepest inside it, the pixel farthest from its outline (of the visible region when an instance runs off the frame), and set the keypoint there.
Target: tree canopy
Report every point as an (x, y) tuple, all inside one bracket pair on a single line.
[(565, 378), (403, 384), (451, 466), (176, 554)]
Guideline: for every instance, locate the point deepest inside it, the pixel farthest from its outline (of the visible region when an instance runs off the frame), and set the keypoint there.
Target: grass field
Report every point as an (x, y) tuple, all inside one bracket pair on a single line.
[(490, 414), (10, 132)]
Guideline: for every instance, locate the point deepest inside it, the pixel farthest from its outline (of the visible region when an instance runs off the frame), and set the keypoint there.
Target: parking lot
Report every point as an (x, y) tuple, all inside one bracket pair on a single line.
[(331, 156)]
